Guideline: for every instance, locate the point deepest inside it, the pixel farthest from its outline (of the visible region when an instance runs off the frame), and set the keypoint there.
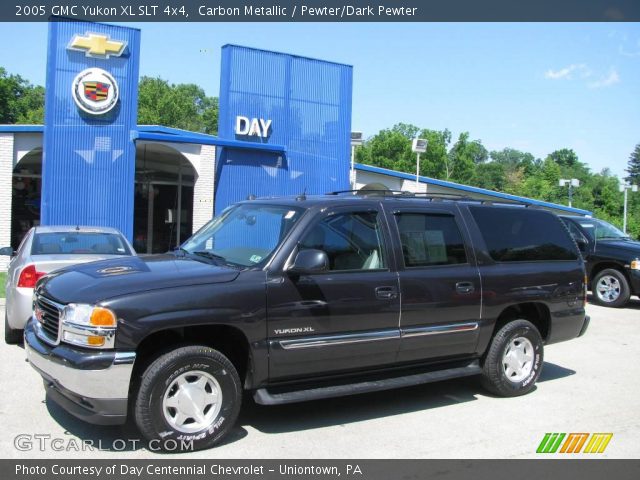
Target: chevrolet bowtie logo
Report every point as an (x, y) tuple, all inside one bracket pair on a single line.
[(97, 45)]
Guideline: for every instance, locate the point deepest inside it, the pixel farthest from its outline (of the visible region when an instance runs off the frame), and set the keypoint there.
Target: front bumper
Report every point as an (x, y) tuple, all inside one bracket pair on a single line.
[(634, 276), (90, 384), (585, 325)]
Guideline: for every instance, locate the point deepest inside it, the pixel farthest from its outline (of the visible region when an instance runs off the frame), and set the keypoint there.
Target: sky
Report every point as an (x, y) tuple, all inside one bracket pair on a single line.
[(536, 87)]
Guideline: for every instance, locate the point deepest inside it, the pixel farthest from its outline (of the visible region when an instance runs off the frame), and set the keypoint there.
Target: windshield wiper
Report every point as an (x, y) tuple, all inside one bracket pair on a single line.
[(180, 251), (213, 256)]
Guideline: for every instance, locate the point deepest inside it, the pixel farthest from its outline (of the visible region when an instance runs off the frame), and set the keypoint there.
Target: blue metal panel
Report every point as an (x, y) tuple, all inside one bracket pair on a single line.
[(89, 160), (309, 104)]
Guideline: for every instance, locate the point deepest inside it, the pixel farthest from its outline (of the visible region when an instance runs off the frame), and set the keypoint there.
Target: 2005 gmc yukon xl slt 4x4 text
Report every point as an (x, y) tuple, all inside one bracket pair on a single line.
[(304, 298)]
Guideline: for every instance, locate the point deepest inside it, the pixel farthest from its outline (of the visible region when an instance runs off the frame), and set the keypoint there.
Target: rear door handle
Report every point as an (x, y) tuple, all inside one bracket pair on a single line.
[(386, 293), (465, 287)]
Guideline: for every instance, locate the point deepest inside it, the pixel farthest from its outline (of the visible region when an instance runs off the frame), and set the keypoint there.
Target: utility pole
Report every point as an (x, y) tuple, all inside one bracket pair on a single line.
[(418, 146), (573, 182), (625, 187)]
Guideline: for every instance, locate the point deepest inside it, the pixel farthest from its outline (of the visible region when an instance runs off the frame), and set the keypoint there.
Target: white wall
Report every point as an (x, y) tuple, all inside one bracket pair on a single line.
[(6, 172)]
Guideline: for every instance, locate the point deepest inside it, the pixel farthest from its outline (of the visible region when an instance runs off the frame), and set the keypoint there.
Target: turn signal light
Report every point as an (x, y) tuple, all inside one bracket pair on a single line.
[(29, 276), (635, 265), (102, 317)]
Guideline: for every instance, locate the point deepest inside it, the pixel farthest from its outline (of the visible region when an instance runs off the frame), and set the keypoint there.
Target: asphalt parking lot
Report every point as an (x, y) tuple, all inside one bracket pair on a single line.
[(587, 385)]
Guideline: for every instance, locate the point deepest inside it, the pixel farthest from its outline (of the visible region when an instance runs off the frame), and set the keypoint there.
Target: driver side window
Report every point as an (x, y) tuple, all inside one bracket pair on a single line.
[(352, 241)]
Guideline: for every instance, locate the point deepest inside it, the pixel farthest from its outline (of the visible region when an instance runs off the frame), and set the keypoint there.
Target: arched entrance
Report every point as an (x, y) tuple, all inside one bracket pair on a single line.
[(26, 186), (163, 202)]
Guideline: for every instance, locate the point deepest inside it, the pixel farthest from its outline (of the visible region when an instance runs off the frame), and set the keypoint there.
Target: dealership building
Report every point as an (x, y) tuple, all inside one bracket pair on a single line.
[(284, 129)]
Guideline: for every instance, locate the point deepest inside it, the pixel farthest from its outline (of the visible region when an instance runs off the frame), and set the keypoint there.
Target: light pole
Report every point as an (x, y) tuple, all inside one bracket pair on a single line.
[(356, 140), (573, 182), (625, 187), (418, 146)]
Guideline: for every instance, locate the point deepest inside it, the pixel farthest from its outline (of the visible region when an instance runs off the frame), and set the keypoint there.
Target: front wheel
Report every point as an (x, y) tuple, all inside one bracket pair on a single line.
[(188, 399), (611, 289), (514, 360)]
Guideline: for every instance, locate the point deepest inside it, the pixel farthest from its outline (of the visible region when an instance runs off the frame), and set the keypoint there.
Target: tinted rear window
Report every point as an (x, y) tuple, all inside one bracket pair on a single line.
[(519, 235), (78, 243)]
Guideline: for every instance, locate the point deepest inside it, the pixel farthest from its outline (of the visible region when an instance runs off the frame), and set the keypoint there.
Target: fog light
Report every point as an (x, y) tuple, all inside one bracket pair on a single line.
[(84, 340)]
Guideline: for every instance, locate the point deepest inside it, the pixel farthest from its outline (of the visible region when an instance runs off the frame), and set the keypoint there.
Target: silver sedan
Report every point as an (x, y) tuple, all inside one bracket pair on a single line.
[(45, 249)]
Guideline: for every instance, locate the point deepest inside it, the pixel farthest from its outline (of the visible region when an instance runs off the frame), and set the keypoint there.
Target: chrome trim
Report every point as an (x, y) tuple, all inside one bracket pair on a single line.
[(39, 331), (111, 382), (59, 306), (109, 334), (331, 340), (438, 329)]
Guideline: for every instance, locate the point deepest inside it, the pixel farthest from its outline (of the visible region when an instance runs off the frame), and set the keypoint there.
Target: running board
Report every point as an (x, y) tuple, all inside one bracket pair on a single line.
[(264, 397)]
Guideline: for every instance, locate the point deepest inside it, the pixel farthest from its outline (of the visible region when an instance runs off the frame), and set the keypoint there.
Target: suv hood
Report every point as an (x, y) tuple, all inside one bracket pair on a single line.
[(96, 281), (628, 246)]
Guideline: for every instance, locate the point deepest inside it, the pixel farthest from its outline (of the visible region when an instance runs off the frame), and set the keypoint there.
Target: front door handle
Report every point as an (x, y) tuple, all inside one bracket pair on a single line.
[(465, 287), (386, 293)]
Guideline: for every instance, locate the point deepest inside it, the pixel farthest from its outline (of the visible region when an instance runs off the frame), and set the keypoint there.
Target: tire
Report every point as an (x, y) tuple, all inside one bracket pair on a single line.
[(165, 399), (517, 342), (12, 336), (611, 289)]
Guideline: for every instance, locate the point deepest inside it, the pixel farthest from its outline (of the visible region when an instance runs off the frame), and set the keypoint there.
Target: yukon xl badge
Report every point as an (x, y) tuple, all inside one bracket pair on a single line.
[(293, 331)]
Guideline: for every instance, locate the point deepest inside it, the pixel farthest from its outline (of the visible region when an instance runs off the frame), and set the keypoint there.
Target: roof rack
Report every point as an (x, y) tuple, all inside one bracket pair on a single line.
[(431, 196)]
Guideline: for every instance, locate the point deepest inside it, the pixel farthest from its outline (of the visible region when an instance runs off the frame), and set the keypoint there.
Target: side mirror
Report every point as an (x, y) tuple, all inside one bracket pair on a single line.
[(582, 244), (310, 261), (8, 251)]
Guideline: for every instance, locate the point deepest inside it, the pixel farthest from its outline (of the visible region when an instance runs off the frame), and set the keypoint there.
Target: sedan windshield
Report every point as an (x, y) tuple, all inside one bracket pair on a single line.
[(601, 230), (245, 235)]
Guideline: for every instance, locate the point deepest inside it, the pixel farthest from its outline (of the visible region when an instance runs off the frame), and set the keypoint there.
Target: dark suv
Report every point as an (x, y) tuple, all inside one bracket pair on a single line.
[(304, 298), (612, 260)]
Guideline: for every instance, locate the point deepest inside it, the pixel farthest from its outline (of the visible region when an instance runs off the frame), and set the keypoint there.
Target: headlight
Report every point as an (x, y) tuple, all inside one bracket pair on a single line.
[(88, 326), (635, 264)]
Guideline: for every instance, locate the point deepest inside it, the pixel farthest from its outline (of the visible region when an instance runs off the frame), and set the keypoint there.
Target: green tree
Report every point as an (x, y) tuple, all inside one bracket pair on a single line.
[(20, 102), (180, 106), (463, 157), (490, 175), (633, 167)]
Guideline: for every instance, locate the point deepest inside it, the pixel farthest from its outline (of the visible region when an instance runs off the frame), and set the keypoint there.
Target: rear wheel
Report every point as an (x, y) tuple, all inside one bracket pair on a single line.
[(12, 336), (188, 399), (514, 360), (611, 288)]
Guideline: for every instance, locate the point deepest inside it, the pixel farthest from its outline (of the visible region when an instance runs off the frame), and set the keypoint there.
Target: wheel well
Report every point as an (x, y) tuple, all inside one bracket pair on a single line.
[(536, 313), (229, 341), (603, 266)]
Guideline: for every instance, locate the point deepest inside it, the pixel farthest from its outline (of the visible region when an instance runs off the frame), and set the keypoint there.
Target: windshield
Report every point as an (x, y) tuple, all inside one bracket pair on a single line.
[(245, 235), (601, 230)]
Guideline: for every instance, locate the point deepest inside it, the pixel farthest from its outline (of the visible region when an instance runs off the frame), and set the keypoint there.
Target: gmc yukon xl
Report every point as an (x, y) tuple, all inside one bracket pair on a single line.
[(298, 299)]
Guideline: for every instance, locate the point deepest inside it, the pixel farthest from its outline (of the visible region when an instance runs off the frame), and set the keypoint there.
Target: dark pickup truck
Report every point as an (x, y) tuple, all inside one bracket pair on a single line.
[(305, 298), (612, 260)]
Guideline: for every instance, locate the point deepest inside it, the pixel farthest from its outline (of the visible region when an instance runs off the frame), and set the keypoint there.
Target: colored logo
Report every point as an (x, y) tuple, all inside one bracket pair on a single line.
[(95, 91), (97, 45), (39, 314), (574, 443)]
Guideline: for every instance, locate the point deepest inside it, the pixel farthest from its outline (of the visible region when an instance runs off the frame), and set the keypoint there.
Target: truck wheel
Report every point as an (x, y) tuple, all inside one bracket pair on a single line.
[(514, 360), (188, 399), (12, 336), (611, 288)]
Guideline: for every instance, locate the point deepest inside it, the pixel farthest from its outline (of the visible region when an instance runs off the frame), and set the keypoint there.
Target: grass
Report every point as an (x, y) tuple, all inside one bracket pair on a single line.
[(3, 279)]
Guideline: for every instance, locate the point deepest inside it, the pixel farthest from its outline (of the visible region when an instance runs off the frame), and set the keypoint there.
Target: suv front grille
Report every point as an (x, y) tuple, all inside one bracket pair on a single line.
[(50, 318)]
